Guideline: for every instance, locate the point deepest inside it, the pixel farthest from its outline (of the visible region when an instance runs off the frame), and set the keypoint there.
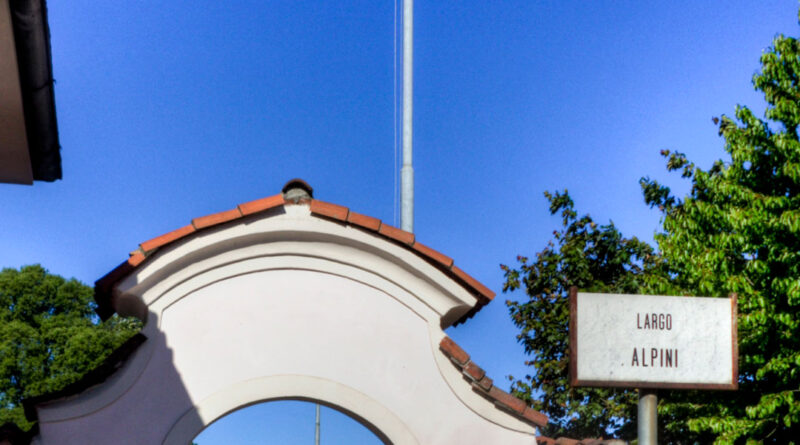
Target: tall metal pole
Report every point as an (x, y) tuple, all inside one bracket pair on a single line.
[(316, 430), (407, 171), (648, 431)]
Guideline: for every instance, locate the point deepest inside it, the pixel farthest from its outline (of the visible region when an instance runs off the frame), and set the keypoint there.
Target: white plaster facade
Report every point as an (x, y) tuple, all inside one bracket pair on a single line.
[(285, 305)]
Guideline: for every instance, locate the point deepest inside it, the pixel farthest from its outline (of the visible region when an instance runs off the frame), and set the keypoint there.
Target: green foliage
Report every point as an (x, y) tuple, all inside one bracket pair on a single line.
[(594, 258), (738, 231), (49, 336)]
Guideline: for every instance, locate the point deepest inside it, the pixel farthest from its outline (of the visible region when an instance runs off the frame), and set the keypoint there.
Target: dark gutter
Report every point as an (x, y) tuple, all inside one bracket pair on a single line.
[(32, 41)]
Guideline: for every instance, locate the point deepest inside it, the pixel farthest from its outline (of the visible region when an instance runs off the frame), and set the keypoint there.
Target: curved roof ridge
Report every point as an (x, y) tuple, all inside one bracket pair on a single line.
[(485, 386), (318, 208)]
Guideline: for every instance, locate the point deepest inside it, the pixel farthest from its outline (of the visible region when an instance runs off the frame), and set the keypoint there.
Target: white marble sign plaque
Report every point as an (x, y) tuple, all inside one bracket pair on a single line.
[(646, 341)]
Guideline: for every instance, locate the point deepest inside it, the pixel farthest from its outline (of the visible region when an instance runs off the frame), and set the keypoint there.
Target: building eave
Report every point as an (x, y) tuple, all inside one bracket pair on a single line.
[(31, 36)]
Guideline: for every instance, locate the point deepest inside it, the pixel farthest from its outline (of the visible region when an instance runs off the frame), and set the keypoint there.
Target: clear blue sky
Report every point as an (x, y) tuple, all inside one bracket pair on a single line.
[(172, 110)]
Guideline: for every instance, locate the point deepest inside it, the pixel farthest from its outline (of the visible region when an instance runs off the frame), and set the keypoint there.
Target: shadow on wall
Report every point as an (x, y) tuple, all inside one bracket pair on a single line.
[(138, 396), (133, 398)]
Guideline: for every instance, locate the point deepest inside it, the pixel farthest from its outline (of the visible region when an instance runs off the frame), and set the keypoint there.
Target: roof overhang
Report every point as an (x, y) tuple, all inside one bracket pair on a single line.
[(313, 223), (29, 146)]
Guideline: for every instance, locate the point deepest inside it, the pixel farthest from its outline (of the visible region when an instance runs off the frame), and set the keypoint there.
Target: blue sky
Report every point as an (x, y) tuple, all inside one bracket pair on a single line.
[(172, 110)]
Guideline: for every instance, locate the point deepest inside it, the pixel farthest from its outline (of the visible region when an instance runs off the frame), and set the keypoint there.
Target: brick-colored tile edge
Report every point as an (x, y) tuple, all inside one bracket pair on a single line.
[(216, 218), (260, 205), (102, 287), (484, 386), (333, 211), (167, 238), (477, 285), (407, 240), (318, 208), (364, 221)]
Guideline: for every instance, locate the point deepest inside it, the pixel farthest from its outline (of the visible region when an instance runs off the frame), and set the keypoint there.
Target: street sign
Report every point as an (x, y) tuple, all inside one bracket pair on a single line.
[(646, 341)]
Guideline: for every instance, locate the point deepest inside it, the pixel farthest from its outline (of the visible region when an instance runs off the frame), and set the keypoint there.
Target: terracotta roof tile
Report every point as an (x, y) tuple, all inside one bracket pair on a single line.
[(453, 351), (259, 205), (330, 210), (440, 258), (507, 400), (474, 371), (216, 218), (396, 234), (167, 238), (319, 208), (534, 416), (485, 383), (484, 386), (472, 282), (136, 258), (364, 221)]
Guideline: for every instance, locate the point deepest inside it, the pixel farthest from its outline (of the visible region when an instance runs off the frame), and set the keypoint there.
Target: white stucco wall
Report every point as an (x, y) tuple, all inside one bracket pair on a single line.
[(255, 311)]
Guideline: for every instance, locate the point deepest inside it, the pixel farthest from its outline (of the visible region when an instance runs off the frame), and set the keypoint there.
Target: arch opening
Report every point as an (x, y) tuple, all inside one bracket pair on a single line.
[(384, 425), (288, 421)]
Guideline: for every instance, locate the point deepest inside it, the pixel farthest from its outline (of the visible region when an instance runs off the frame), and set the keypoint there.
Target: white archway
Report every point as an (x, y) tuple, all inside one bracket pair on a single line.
[(282, 299)]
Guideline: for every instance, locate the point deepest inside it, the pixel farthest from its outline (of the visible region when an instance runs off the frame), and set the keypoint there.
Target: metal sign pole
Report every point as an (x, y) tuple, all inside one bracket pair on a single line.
[(648, 417)]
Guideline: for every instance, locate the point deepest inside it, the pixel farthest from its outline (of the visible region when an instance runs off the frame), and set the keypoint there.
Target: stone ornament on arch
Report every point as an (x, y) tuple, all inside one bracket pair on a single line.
[(289, 297)]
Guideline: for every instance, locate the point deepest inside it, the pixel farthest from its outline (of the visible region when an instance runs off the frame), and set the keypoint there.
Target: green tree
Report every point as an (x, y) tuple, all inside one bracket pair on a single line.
[(49, 336), (595, 258), (738, 231)]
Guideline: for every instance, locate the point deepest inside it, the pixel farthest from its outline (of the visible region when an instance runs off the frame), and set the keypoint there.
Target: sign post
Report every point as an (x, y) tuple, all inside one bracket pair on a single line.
[(648, 417), (650, 342)]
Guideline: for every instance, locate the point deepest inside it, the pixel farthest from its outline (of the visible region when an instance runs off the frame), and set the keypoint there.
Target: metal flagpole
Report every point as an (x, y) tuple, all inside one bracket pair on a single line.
[(407, 172)]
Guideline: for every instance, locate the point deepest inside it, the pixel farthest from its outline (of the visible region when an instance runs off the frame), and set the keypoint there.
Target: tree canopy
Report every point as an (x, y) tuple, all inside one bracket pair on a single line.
[(49, 336), (737, 231)]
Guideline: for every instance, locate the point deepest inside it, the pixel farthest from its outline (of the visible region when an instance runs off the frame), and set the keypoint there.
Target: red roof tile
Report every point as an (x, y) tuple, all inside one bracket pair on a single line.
[(364, 221), (507, 400), (259, 205), (327, 209), (472, 282), (453, 351), (166, 238), (216, 218), (484, 386), (535, 416), (136, 258), (396, 234), (474, 371), (319, 208), (440, 258)]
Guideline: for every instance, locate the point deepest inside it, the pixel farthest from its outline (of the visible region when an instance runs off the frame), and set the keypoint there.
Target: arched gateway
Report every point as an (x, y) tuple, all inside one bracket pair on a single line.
[(288, 297)]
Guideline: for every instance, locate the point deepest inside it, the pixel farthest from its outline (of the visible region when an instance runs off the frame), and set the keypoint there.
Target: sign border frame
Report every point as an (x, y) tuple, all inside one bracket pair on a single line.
[(573, 357)]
